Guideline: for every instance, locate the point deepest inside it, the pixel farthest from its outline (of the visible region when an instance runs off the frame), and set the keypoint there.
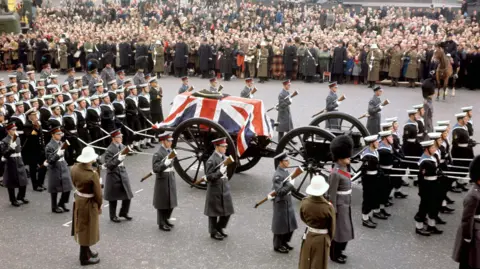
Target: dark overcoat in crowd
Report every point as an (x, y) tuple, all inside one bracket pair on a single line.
[(205, 55), (339, 56), (289, 57), (181, 55)]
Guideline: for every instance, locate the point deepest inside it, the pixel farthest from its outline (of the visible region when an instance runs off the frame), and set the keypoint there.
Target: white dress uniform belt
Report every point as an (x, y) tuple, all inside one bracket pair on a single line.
[(374, 172), (477, 217), (431, 178), (72, 131), (121, 116), (145, 109), (317, 231), (386, 166), (463, 145), (411, 140), (170, 169), (419, 135), (85, 195), (45, 131), (344, 192), (16, 155)]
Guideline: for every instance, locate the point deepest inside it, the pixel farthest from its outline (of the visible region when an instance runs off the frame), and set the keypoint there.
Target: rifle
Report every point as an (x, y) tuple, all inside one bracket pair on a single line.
[(170, 156), (295, 93), (63, 147), (363, 116), (220, 88), (343, 97), (226, 163), (298, 171)]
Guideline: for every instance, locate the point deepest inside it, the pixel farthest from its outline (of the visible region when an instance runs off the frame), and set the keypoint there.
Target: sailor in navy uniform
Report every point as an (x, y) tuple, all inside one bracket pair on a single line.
[(56, 119), (469, 124), (93, 120), (19, 119), (78, 82), (40, 95), (386, 159), (98, 89), (13, 88), (120, 116), (370, 180), (66, 92), (284, 117), (428, 190), (71, 132), (462, 144), (32, 83), (332, 104), (133, 118), (107, 114), (284, 222), (445, 160), (58, 96), (422, 131), (112, 87), (145, 115), (374, 111), (9, 105), (52, 89), (74, 95), (45, 114), (25, 99), (184, 86), (24, 85), (411, 145), (340, 195), (81, 112), (84, 92), (218, 202), (246, 92), (126, 85), (213, 85)]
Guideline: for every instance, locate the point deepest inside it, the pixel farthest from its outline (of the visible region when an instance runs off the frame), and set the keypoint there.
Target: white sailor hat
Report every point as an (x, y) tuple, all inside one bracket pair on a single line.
[(51, 86), (9, 94), (57, 94), (19, 103), (152, 80), (412, 111), (74, 90), (98, 84), (3, 87), (84, 88), (440, 129), (93, 97), (460, 115), (30, 111), (418, 106), (119, 91), (23, 81), (443, 122), (131, 87), (41, 80), (112, 81), (77, 78), (144, 85), (434, 135), (371, 138), (385, 133), (11, 85), (427, 143), (104, 95), (23, 91), (69, 102), (30, 72), (128, 80), (40, 88), (53, 76), (48, 96), (467, 108), (393, 119), (385, 125), (2, 79), (81, 99), (54, 105), (12, 76), (65, 83), (34, 100)]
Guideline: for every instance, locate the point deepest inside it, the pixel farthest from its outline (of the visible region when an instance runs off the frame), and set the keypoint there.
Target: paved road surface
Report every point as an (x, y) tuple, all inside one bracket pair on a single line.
[(33, 237)]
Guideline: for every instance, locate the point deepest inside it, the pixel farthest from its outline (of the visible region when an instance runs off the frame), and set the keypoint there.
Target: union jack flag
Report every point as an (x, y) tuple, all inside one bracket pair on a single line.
[(241, 116)]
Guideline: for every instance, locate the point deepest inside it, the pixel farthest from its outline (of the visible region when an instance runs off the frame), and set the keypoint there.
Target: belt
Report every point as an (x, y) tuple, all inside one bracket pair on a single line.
[(386, 166), (19, 132), (84, 195), (344, 192), (411, 140), (419, 135), (15, 155), (45, 131), (72, 131), (168, 170), (460, 145), (430, 178), (145, 109), (374, 172), (442, 161), (120, 116), (317, 231), (476, 217)]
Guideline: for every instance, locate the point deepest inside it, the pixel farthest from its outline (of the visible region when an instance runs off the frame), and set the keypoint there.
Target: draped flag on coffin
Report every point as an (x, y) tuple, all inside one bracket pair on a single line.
[(241, 116)]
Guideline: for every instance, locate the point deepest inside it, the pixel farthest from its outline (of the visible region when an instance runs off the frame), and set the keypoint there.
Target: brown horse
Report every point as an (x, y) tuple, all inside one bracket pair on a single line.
[(443, 73)]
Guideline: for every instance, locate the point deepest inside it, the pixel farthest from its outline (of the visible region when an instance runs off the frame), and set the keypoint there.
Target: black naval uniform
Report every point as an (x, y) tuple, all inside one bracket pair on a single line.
[(422, 131), (165, 190), (156, 104), (45, 114), (71, 135), (33, 153), (370, 180), (145, 116), (284, 222), (218, 202), (411, 146), (82, 129), (462, 146), (120, 120), (386, 158), (93, 124), (107, 115)]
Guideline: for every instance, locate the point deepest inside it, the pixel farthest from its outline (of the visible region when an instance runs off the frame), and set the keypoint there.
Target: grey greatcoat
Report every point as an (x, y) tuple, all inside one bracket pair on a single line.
[(165, 191), (218, 202), (246, 92), (332, 105), (283, 220), (374, 109), (14, 175), (339, 181), (117, 184), (469, 228), (58, 172), (284, 118)]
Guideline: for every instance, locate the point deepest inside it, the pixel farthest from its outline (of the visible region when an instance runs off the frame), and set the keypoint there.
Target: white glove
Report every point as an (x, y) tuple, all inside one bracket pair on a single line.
[(167, 162), (3, 159), (121, 157), (468, 240), (455, 76), (292, 181), (339, 102), (60, 152), (290, 99), (13, 145), (223, 169), (251, 95), (270, 197), (381, 107)]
